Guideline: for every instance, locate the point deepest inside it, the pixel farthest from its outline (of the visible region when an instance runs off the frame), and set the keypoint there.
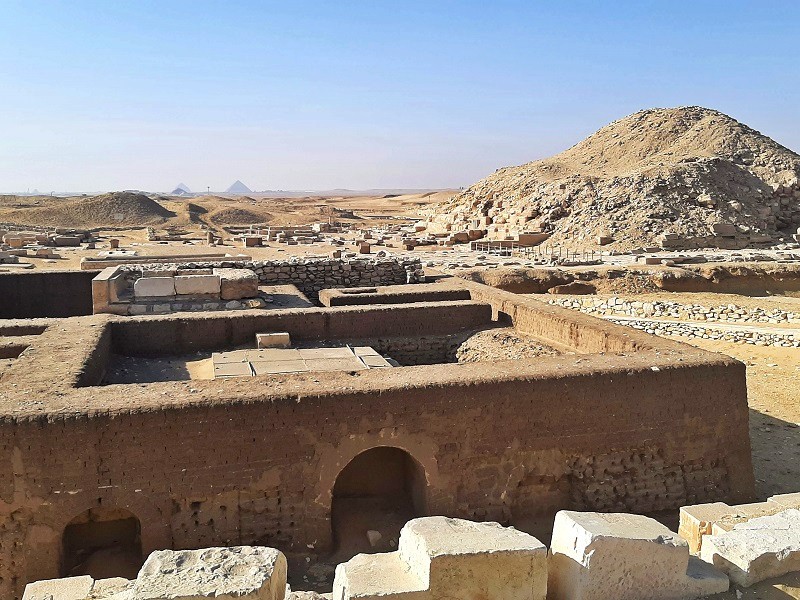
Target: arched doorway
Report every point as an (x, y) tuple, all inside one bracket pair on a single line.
[(102, 542), (374, 496)]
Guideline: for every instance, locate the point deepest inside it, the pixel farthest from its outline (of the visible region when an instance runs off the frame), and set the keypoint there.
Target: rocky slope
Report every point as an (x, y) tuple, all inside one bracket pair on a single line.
[(695, 173)]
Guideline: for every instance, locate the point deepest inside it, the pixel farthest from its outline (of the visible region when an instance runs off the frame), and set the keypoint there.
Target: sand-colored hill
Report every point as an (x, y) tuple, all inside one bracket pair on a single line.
[(238, 216), (677, 169), (127, 209), (118, 209)]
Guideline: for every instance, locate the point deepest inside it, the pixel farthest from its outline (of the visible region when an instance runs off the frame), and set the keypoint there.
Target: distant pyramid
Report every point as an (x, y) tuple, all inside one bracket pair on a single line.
[(238, 188), (180, 190)]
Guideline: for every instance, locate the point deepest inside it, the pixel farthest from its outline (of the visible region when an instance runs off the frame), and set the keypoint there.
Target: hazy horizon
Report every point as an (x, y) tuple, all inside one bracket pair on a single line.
[(321, 96)]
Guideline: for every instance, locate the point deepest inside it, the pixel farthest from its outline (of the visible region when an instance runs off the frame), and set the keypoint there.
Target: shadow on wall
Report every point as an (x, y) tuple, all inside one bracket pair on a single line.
[(377, 493), (46, 294), (102, 542)]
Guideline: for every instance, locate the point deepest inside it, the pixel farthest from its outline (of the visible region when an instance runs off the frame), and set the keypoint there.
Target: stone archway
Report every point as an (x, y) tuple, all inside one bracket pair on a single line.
[(102, 542), (375, 494)]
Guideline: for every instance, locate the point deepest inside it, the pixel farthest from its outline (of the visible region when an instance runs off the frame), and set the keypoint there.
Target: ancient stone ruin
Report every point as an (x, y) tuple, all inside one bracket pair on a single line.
[(320, 428)]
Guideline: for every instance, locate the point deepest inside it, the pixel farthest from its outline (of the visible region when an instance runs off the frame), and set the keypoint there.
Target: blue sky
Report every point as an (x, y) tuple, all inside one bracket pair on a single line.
[(102, 95)]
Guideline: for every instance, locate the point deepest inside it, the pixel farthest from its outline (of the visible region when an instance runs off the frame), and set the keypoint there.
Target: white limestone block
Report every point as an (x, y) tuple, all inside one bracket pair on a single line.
[(273, 340), (377, 577), (197, 284), (596, 556), (440, 558), (758, 549), (68, 588), (237, 283), (238, 572), (154, 287), (475, 560)]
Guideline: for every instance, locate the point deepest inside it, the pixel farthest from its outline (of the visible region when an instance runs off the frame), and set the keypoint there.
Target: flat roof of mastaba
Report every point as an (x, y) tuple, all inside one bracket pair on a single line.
[(46, 380)]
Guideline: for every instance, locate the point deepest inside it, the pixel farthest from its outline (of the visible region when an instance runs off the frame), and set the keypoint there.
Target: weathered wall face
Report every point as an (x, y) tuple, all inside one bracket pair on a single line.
[(46, 294), (262, 472), (169, 335), (649, 426)]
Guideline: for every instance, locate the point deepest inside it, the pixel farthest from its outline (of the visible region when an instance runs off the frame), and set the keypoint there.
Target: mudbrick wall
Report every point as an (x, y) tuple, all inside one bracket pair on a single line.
[(46, 294), (650, 426)]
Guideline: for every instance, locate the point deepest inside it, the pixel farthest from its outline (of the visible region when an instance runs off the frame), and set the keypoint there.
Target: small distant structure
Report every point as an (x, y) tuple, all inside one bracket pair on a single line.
[(181, 190), (238, 188)]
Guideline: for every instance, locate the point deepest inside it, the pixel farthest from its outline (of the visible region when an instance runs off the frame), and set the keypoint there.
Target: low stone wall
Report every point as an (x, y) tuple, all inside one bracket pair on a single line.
[(311, 275), (654, 319), (688, 312), (709, 332)]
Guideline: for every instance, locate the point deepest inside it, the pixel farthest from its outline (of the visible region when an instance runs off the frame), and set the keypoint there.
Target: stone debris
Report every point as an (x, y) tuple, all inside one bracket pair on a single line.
[(68, 588), (441, 558), (656, 319), (686, 177), (757, 549), (727, 313), (709, 332), (237, 572), (700, 520), (597, 556)]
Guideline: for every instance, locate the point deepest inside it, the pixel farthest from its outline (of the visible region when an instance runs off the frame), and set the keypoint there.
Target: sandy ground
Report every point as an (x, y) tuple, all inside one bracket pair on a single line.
[(194, 215), (773, 390), (70, 258)]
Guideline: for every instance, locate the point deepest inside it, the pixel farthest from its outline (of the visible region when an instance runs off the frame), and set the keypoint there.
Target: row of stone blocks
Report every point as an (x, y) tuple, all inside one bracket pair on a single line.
[(593, 556)]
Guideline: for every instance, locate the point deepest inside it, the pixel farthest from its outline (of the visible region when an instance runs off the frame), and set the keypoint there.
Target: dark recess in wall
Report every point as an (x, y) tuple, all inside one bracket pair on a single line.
[(46, 294)]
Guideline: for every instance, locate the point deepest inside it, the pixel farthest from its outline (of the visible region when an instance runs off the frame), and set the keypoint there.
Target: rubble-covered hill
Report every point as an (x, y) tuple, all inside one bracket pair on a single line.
[(676, 170)]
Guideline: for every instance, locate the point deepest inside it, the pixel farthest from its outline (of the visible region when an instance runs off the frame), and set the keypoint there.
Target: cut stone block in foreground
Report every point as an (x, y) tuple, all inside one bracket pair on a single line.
[(596, 556), (68, 588), (197, 285), (442, 558), (239, 572), (716, 518), (757, 549)]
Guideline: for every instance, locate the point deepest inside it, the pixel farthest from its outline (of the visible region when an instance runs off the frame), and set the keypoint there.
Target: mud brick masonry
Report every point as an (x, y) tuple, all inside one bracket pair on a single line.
[(626, 422)]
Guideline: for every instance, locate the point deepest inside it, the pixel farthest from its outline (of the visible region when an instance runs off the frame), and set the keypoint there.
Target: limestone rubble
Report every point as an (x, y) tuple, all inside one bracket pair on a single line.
[(678, 177)]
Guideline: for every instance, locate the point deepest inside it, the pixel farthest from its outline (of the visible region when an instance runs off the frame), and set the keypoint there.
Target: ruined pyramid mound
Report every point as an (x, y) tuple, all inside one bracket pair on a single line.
[(123, 209), (689, 172)]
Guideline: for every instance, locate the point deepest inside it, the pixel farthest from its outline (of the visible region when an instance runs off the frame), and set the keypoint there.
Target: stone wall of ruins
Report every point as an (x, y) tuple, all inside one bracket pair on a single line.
[(311, 275), (262, 472), (203, 463)]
